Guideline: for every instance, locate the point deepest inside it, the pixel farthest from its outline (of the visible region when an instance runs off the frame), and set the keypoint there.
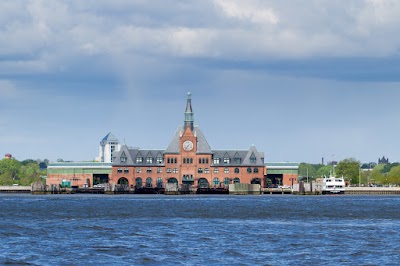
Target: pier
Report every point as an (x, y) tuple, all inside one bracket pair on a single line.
[(15, 189)]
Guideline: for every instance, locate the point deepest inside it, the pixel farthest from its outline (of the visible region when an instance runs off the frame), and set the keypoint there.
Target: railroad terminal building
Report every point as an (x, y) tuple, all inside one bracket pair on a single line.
[(189, 160)]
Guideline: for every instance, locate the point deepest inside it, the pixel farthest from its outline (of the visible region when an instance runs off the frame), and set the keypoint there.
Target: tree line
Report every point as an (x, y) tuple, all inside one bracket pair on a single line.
[(354, 172), (23, 173)]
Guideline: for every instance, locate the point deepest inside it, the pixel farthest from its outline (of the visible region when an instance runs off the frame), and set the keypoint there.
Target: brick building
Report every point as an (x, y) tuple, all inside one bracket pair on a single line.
[(188, 159)]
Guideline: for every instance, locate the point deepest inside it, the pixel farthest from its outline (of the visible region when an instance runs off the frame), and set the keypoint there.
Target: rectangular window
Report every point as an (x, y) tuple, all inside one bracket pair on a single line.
[(206, 160), (206, 170), (149, 170), (159, 170), (149, 160), (175, 170), (139, 159), (216, 170), (253, 159), (216, 160), (226, 160), (159, 160), (226, 170), (169, 170), (123, 159)]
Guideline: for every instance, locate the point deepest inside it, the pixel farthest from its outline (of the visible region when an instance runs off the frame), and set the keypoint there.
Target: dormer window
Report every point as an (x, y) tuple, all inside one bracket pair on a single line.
[(226, 160), (139, 159), (216, 160), (123, 159), (149, 160), (236, 160), (253, 159), (159, 160)]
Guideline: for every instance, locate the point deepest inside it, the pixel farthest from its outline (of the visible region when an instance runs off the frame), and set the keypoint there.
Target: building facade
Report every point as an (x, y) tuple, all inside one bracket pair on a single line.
[(78, 174), (189, 160), (108, 146)]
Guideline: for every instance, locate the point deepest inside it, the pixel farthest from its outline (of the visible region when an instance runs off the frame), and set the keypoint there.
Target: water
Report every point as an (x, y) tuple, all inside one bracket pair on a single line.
[(199, 230)]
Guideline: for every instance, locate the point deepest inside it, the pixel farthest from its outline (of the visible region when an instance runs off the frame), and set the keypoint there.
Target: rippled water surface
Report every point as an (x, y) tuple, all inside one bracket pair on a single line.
[(199, 230)]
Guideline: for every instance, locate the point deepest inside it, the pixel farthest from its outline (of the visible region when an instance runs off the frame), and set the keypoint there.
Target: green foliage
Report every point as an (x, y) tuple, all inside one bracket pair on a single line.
[(307, 169), (350, 169), (393, 177), (325, 170), (22, 173)]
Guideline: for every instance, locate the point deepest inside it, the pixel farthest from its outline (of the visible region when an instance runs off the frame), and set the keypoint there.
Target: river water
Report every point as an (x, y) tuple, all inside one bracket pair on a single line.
[(199, 230)]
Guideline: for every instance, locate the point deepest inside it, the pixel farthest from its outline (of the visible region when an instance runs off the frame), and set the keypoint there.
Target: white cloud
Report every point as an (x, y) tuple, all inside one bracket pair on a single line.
[(252, 11)]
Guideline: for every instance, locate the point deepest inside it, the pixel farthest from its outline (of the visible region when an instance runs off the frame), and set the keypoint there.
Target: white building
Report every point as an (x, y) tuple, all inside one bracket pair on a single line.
[(108, 145)]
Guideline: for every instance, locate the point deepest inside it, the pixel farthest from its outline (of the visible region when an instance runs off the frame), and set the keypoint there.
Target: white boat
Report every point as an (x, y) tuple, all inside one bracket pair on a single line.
[(333, 185)]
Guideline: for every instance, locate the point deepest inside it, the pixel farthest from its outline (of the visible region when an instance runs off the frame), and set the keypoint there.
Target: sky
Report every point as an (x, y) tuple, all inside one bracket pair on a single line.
[(301, 80)]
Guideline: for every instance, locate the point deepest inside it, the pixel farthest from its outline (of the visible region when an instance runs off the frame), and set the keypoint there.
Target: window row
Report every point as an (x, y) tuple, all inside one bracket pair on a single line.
[(235, 160), (199, 170), (126, 170), (187, 160), (172, 160), (149, 160)]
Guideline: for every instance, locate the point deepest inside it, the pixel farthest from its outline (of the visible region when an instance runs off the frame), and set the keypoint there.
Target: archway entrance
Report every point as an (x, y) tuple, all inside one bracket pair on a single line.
[(123, 181), (173, 180), (256, 181), (203, 183)]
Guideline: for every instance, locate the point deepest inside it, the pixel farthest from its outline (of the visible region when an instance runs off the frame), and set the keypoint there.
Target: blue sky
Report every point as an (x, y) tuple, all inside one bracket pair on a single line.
[(300, 80)]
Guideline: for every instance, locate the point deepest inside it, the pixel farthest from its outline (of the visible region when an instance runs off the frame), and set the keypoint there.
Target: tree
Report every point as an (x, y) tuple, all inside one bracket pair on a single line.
[(9, 168), (306, 169), (377, 175), (350, 169), (393, 177), (324, 171)]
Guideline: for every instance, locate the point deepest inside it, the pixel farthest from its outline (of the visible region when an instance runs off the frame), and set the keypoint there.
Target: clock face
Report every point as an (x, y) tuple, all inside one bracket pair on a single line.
[(188, 145)]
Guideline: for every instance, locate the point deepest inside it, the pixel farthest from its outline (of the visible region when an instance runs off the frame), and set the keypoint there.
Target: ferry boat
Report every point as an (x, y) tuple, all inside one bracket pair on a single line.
[(333, 185)]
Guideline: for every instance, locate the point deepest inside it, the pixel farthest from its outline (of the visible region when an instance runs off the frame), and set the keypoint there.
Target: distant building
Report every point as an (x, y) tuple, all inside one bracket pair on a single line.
[(78, 173), (187, 160), (8, 156), (108, 146), (285, 173), (383, 160)]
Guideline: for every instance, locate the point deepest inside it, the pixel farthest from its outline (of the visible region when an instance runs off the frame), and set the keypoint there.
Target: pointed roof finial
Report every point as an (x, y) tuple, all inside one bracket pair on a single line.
[(189, 113)]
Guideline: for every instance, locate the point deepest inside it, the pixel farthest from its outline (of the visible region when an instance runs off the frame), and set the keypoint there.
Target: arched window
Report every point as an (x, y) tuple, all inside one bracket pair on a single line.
[(216, 181), (236, 170), (227, 181), (255, 170), (123, 181), (139, 182), (203, 183), (200, 170), (173, 180), (149, 182), (236, 180), (159, 182), (248, 170)]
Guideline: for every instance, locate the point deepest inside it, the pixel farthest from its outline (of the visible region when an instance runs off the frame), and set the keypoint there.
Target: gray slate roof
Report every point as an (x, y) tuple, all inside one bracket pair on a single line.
[(202, 144), (110, 137)]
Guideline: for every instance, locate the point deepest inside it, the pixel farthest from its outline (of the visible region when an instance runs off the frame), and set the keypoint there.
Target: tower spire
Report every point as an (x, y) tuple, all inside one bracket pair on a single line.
[(189, 120)]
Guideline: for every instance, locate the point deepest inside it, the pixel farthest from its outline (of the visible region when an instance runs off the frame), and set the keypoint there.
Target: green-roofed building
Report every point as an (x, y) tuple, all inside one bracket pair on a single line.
[(78, 173), (281, 174)]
